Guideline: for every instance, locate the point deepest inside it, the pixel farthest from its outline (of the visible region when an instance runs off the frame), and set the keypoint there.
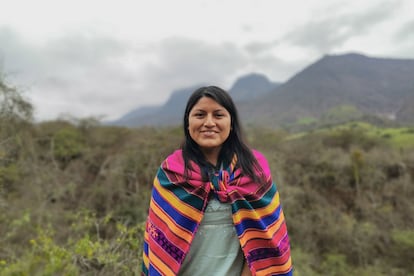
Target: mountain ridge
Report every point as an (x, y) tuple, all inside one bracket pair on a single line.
[(172, 110), (374, 86)]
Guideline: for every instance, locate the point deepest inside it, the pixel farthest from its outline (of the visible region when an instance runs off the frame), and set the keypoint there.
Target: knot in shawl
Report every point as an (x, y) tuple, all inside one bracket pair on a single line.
[(177, 208)]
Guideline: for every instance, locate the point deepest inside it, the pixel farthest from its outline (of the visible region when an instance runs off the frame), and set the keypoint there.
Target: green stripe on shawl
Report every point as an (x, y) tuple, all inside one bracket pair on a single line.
[(179, 191), (251, 205)]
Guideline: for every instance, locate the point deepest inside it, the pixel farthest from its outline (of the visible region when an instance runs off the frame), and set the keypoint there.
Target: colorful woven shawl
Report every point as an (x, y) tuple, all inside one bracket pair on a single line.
[(177, 207)]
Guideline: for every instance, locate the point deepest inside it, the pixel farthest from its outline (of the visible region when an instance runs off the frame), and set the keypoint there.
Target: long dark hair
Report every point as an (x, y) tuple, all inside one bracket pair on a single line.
[(234, 144)]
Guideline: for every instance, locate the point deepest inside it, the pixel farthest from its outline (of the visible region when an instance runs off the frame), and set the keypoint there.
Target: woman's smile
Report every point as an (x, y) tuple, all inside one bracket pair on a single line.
[(209, 132)]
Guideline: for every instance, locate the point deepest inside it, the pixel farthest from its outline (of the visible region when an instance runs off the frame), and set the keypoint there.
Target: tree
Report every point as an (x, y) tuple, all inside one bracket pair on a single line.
[(15, 115), (15, 111), (13, 107)]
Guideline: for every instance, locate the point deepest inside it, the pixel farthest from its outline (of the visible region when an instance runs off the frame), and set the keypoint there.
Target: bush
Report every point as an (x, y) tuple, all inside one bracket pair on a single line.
[(68, 144), (83, 251), (9, 176), (81, 194)]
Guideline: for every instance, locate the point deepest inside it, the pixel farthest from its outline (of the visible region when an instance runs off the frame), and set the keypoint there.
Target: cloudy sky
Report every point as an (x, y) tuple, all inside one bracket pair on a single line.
[(104, 58)]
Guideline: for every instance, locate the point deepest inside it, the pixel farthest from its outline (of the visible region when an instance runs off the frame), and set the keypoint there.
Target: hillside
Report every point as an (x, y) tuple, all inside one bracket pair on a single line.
[(168, 114), (376, 86), (74, 195), (79, 207)]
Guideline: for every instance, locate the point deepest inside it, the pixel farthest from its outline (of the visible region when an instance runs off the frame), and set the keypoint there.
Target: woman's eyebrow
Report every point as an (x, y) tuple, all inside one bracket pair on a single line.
[(204, 110)]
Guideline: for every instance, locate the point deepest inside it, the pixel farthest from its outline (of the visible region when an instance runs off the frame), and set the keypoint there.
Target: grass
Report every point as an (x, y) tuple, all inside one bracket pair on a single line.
[(398, 137)]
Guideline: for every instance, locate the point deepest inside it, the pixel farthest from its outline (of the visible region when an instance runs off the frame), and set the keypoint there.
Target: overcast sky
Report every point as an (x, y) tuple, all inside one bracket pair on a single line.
[(104, 58)]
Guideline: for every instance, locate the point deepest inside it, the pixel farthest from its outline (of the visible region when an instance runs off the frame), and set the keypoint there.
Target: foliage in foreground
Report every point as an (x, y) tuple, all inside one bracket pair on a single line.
[(74, 197), (75, 204), (83, 252)]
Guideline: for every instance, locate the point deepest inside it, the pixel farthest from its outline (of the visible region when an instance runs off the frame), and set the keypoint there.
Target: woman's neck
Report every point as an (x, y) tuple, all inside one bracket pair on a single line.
[(212, 155)]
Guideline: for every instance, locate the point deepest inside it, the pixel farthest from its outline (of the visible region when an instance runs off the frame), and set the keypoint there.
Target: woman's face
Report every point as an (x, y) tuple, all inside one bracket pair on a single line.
[(209, 125)]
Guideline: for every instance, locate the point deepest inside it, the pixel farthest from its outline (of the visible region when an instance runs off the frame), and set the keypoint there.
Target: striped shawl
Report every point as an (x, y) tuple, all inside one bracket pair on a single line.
[(177, 207)]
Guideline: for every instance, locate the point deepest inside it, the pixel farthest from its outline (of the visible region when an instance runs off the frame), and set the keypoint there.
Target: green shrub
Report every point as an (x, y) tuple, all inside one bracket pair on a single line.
[(68, 144), (83, 252), (9, 175), (88, 218), (335, 265)]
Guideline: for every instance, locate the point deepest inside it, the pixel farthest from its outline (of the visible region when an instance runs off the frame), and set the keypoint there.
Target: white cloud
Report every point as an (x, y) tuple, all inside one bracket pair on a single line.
[(104, 57)]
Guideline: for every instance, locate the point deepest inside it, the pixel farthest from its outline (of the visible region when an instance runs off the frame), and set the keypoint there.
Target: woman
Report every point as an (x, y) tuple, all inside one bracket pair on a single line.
[(214, 209)]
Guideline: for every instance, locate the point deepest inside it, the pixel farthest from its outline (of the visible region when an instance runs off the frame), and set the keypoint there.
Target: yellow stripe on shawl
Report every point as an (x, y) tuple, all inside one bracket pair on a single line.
[(262, 234), (187, 236), (145, 260), (280, 269), (183, 208), (257, 214), (144, 256), (165, 270)]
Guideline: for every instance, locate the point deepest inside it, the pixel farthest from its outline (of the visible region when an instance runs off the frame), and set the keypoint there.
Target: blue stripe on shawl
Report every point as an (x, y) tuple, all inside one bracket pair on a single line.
[(261, 224), (290, 273), (153, 271), (146, 248), (181, 220)]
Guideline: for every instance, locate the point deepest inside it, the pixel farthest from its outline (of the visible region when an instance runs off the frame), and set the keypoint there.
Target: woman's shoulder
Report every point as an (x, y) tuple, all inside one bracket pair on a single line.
[(259, 155), (178, 153), (261, 159), (175, 157)]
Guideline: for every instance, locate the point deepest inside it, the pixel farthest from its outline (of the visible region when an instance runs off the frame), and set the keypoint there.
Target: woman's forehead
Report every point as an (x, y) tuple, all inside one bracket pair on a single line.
[(207, 102)]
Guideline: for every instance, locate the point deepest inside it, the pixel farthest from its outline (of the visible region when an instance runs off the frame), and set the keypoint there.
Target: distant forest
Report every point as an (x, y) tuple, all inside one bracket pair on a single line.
[(74, 193)]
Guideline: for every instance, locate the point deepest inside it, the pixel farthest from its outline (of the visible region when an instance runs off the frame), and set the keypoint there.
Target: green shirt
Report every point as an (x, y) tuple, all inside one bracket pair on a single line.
[(215, 249)]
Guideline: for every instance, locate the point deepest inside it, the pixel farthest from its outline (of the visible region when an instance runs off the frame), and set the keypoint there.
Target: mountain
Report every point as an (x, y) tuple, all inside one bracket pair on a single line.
[(170, 113), (379, 86), (406, 112), (333, 89), (245, 88), (136, 113), (250, 87)]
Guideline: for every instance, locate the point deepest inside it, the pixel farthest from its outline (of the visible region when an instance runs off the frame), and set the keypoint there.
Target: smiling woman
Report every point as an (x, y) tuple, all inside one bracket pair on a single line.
[(209, 126), (214, 209)]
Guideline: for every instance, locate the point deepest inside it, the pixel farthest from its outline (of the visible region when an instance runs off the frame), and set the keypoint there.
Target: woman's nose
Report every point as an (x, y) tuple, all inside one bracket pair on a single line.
[(209, 121)]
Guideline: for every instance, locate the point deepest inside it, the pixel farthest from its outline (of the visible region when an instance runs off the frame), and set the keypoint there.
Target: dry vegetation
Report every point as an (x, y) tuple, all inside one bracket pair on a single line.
[(74, 196)]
